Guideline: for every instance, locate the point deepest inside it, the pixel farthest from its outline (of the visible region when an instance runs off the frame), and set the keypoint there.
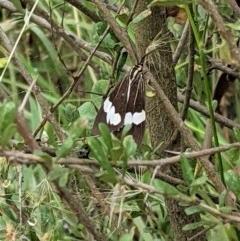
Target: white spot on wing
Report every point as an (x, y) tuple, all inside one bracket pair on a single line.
[(112, 118), (136, 118), (128, 119), (107, 105)]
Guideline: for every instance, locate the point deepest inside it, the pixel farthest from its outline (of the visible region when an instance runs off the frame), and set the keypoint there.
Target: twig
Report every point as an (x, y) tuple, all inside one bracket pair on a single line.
[(24, 158), (181, 44), (190, 74), (202, 109), (224, 68), (25, 99), (84, 10)]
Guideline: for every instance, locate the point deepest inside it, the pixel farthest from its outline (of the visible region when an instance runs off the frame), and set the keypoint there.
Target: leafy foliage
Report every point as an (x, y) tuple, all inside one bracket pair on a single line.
[(123, 201)]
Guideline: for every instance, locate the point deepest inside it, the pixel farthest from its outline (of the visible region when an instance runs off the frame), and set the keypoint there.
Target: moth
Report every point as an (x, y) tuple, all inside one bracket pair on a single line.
[(125, 105)]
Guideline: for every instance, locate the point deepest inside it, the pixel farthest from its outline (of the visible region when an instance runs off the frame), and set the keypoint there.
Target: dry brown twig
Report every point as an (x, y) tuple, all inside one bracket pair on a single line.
[(220, 65), (203, 110), (181, 44), (24, 158), (92, 15), (189, 86)]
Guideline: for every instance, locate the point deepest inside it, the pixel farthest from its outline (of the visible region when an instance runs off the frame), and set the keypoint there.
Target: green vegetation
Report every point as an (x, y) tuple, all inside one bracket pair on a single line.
[(58, 181)]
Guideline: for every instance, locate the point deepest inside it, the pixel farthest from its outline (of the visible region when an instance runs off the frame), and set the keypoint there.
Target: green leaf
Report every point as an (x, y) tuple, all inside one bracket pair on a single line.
[(125, 130), (222, 198), (17, 4), (220, 233), (8, 112), (100, 155), (192, 226), (53, 60), (106, 135), (226, 209), (234, 26), (8, 134), (236, 132), (71, 112), (116, 152), (167, 189), (110, 40), (193, 209), (65, 148), (87, 110), (168, 2), (157, 148), (3, 62), (121, 62), (224, 52), (199, 181), (124, 159), (203, 195), (126, 237), (52, 139), (35, 113), (6, 211), (140, 224), (131, 32), (79, 127), (146, 176), (129, 145), (122, 19), (99, 90), (63, 179), (141, 16), (57, 173), (232, 179), (187, 170)]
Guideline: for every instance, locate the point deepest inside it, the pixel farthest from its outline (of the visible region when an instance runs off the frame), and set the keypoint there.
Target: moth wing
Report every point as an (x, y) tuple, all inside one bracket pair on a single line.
[(113, 108), (135, 111)]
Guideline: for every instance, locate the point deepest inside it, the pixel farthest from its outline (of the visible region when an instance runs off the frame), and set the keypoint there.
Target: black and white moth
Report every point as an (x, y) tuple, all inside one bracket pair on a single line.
[(125, 105)]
